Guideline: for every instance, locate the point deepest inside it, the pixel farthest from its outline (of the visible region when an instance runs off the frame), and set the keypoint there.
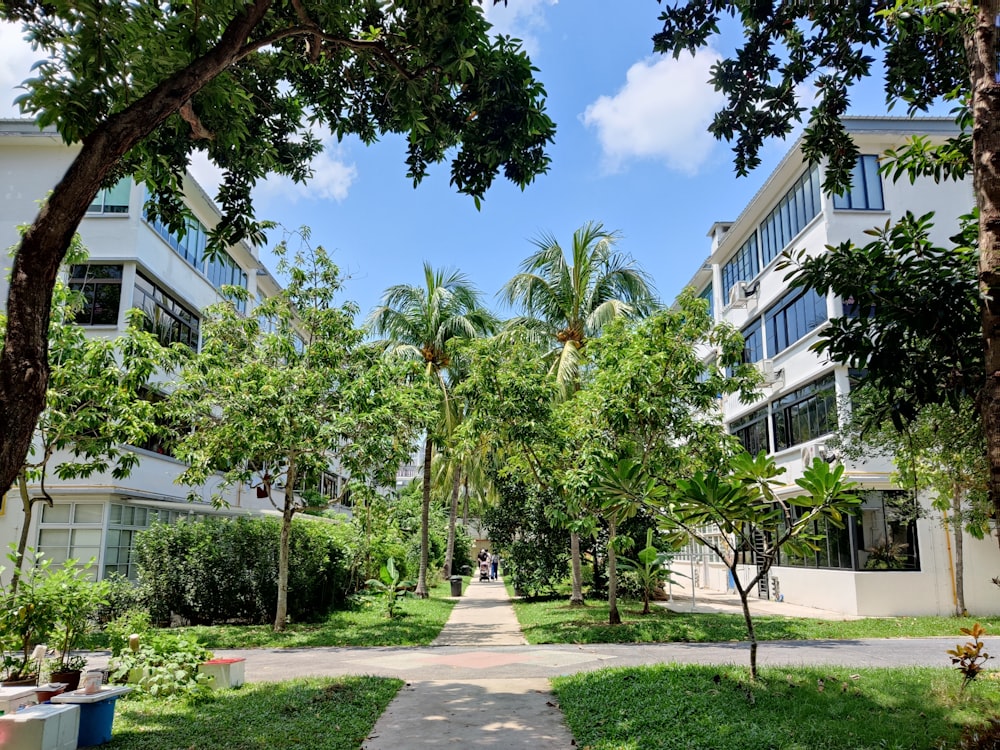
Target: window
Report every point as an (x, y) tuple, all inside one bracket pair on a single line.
[(753, 342), (888, 538), (866, 187), (833, 543), (71, 531), (710, 299), (112, 200), (807, 413), (124, 523), (165, 316), (795, 315), (101, 287), (795, 209), (751, 431), (743, 266), (220, 269)]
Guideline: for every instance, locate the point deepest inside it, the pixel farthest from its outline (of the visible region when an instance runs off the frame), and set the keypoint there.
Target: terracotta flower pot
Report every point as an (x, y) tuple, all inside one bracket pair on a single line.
[(70, 676)]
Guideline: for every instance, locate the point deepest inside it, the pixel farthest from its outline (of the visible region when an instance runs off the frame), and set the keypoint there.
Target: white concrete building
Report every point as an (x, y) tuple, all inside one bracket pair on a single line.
[(798, 406), (133, 263)]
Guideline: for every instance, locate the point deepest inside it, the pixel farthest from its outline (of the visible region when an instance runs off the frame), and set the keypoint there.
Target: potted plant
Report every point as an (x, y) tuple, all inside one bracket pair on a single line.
[(77, 602), (27, 617)]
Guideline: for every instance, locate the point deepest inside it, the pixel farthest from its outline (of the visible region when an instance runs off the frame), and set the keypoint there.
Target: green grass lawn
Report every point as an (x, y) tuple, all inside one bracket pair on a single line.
[(306, 714), (681, 707), (418, 623), (554, 621)]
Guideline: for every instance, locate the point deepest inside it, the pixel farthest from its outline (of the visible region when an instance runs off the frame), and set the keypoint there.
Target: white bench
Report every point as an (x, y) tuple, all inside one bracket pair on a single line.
[(43, 727)]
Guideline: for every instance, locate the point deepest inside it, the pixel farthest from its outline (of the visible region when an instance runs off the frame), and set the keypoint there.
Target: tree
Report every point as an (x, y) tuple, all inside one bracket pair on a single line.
[(940, 450), (744, 503), (931, 52), (273, 398), (911, 316), (567, 302), (242, 82), (648, 408), (421, 324), (94, 404)]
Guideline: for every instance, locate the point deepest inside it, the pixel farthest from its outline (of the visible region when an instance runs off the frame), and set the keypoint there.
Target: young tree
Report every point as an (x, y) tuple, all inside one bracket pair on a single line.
[(744, 504), (94, 405), (649, 407), (566, 302), (242, 82), (421, 324), (930, 52), (290, 391)]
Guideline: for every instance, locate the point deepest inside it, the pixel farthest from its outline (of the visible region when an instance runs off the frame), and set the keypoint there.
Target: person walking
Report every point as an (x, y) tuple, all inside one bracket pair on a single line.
[(494, 565)]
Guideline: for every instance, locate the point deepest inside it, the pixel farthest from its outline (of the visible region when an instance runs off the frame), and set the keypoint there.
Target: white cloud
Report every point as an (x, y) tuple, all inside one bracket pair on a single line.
[(662, 112), (520, 19), (331, 180), (15, 66)]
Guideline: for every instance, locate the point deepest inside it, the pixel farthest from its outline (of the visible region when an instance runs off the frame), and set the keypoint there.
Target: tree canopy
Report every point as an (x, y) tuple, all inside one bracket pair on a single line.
[(141, 86)]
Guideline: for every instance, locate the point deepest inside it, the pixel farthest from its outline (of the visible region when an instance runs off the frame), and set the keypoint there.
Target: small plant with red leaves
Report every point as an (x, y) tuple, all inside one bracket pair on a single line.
[(969, 657)]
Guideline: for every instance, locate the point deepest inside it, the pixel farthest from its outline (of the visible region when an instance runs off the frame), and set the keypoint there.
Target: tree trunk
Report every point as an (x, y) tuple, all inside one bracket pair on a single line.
[(24, 368), (287, 514), (465, 502), (449, 557), (751, 634), (22, 542), (956, 500), (421, 590), (614, 618), (576, 598), (986, 172)]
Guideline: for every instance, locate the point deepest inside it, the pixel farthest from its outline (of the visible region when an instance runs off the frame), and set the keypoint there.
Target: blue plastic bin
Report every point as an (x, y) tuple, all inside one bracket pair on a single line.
[(95, 722)]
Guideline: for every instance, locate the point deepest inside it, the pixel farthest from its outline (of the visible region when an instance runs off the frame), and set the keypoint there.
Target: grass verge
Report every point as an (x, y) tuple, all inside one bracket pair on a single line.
[(673, 707), (332, 714), (417, 624), (554, 621)]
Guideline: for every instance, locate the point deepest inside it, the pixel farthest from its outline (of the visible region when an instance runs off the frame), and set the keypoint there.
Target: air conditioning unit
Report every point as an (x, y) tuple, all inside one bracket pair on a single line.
[(773, 376), (738, 294)]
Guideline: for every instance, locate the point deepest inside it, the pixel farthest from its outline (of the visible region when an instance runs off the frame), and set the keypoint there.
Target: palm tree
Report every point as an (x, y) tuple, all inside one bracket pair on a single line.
[(565, 302), (420, 322)]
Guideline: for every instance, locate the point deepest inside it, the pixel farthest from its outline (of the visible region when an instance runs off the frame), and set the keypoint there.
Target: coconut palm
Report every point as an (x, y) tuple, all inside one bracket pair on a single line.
[(566, 301), (421, 322)]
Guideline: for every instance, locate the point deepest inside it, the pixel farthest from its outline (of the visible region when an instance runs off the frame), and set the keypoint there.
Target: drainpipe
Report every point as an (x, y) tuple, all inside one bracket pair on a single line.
[(951, 562)]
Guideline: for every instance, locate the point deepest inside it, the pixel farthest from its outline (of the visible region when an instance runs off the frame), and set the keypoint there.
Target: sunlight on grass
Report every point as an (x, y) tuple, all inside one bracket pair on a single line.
[(303, 714), (674, 706), (554, 621), (418, 623)]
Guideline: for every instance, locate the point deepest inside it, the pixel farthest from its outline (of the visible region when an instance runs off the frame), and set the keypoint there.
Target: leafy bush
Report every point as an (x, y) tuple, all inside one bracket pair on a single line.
[(388, 589), (165, 665), (535, 550), (225, 570)]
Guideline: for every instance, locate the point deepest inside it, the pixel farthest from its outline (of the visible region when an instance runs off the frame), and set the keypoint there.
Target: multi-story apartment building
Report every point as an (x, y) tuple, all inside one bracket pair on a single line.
[(798, 408), (133, 263)]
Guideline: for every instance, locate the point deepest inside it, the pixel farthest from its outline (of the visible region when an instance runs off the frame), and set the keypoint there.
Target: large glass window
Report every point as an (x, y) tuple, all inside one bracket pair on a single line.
[(101, 287), (751, 431), (866, 187), (112, 200), (168, 318), (753, 342), (833, 543), (796, 208), (125, 522), (71, 531), (220, 269), (888, 538), (743, 266), (709, 297), (793, 317), (806, 413)]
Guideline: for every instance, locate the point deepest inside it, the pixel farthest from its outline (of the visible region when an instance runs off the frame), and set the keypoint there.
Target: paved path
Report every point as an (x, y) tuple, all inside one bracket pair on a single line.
[(480, 685)]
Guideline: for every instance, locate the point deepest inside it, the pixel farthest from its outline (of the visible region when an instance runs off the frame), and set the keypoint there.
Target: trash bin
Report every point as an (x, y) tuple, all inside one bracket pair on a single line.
[(456, 585)]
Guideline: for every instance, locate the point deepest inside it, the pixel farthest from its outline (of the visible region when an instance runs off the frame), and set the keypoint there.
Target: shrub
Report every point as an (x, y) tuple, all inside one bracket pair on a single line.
[(164, 665), (226, 570)]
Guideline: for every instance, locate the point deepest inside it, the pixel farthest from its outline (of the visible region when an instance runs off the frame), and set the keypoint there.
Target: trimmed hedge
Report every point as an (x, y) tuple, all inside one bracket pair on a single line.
[(226, 570)]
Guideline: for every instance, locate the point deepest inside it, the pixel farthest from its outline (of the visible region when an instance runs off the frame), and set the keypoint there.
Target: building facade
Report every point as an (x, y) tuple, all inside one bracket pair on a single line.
[(798, 407), (133, 262)]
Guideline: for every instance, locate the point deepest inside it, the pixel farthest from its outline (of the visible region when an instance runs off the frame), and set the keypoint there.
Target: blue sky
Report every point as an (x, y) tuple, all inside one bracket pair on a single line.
[(631, 152)]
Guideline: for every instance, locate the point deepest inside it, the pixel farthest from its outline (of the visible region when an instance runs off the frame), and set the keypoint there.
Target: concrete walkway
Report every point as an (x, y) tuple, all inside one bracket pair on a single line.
[(490, 711)]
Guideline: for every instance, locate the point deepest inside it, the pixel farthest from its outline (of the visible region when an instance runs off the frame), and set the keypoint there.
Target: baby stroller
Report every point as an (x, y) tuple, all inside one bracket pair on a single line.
[(484, 570)]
